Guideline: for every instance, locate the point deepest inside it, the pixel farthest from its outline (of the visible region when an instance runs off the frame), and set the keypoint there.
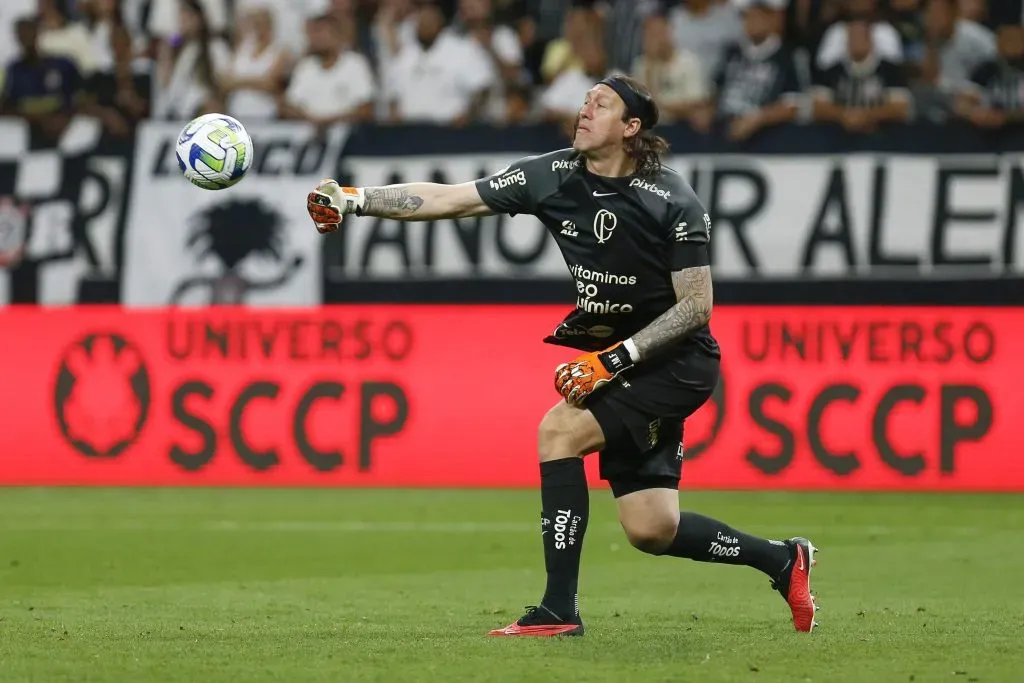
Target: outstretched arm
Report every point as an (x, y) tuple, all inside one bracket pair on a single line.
[(407, 201), (692, 311)]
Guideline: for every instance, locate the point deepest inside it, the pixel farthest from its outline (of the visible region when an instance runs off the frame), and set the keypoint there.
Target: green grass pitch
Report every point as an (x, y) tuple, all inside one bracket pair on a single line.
[(256, 585)]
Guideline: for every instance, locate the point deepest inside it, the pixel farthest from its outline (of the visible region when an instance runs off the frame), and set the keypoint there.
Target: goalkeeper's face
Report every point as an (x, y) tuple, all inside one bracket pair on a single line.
[(599, 122)]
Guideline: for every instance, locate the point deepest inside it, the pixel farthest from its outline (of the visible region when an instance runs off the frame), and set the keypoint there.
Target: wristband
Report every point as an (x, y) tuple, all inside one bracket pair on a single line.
[(354, 199), (634, 353), (616, 359)]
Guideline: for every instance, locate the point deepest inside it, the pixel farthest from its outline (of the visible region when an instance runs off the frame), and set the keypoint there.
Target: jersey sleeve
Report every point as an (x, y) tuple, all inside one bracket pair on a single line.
[(520, 186), (691, 232)]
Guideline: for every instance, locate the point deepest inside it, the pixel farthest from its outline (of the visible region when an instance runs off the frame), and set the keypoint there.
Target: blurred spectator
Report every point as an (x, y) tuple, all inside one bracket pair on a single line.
[(864, 91), (887, 41), (288, 18), (905, 17), (674, 76), (995, 95), (165, 20), (187, 67), (41, 89), (706, 28), (757, 85), (498, 46), (954, 46), (115, 91), (255, 79), (10, 12), (333, 83), (518, 105), (560, 55), (974, 10), (59, 36), (563, 98), (807, 20), (624, 30), (394, 26), (439, 78)]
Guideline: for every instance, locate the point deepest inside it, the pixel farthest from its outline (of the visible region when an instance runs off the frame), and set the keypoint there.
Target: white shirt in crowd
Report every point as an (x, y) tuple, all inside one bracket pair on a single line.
[(566, 93), (164, 15), (334, 90), (185, 93), (438, 85), (707, 35), (970, 46), (73, 42), (248, 103), (885, 39), (289, 18), (505, 43)]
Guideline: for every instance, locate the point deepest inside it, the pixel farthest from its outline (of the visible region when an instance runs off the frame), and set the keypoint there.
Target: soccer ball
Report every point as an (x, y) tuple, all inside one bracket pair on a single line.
[(214, 151)]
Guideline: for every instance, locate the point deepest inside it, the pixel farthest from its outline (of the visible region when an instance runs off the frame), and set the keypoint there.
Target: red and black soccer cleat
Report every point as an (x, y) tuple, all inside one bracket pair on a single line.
[(540, 621), (794, 584)]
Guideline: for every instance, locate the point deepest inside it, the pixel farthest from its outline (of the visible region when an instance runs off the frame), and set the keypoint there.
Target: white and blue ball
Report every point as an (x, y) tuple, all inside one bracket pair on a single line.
[(214, 151)]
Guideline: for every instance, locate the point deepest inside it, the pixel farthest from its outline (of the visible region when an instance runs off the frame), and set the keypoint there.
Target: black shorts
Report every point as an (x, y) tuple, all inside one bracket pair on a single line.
[(641, 414)]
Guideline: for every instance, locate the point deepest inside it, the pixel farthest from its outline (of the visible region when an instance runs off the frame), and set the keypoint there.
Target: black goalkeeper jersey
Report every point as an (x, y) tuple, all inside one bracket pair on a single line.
[(621, 238)]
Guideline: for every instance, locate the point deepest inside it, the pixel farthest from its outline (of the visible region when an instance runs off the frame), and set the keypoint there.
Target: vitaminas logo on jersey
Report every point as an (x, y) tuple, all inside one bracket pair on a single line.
[(811, 398)]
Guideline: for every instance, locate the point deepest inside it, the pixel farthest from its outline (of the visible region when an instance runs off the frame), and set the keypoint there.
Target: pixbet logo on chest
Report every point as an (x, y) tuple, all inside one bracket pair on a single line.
[(650, 187)]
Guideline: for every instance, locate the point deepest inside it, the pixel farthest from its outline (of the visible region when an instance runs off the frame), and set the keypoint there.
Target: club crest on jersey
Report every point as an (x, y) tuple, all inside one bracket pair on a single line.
[(650, 187), (604, 224)]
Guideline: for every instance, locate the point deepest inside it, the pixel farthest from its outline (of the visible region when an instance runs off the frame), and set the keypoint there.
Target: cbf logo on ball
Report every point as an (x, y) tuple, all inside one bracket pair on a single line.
[(102, 395)]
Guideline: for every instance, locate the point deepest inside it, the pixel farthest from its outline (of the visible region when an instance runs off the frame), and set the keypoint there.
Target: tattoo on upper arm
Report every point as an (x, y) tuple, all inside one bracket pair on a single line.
[(392, 202), (692, 311)]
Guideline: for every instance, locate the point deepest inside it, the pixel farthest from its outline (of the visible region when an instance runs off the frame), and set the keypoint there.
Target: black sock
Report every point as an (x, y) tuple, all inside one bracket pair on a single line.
[(565, 500), (704, 539)]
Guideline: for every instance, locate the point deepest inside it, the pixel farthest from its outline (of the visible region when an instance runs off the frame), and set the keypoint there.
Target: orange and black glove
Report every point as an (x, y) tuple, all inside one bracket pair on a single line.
[(578, 379), (329, 203)]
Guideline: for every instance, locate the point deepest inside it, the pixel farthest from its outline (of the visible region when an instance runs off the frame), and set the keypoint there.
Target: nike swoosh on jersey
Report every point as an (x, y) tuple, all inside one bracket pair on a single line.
[(603, 194)]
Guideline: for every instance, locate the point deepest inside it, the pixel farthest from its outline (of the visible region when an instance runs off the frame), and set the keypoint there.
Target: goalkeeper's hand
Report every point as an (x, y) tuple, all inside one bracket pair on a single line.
[(330, 202), (578, 379)]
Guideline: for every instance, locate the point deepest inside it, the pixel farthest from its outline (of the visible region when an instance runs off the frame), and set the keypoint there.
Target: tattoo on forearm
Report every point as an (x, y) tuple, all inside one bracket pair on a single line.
[(391, 202), (691, 312)]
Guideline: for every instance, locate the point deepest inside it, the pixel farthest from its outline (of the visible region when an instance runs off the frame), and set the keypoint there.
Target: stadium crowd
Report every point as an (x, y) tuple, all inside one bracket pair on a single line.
[(742, 64)]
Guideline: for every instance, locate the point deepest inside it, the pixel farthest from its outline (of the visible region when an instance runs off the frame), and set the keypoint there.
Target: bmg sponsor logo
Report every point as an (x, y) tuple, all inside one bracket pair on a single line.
[(515, 177)]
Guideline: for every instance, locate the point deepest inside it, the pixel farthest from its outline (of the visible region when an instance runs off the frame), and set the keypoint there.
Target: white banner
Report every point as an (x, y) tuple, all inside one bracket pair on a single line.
[(250, 244), (772, 216)]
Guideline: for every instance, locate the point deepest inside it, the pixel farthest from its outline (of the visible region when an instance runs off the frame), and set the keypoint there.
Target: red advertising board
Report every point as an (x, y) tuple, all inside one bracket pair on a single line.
[(810, 398)]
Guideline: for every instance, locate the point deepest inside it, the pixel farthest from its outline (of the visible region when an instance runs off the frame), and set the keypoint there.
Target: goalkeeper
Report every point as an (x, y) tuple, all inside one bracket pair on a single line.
[(634, 237)]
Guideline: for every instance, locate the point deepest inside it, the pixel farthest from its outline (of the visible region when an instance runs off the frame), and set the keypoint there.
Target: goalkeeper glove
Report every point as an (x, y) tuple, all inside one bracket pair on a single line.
[(329, 203), (578, 379)]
